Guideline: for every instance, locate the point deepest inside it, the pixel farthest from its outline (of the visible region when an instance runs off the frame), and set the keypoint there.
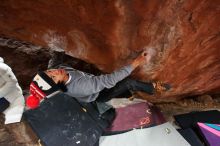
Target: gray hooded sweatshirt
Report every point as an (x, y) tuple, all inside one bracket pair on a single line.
[(86, 87)]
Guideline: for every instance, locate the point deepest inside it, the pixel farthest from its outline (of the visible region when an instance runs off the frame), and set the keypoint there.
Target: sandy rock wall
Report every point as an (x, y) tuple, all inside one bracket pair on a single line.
[(185, 35)]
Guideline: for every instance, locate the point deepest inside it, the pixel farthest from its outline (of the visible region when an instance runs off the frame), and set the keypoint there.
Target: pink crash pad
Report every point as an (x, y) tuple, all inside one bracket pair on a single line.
[(138, 115)]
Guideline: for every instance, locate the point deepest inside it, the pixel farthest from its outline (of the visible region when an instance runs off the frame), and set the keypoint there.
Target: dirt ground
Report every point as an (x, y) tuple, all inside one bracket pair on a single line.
[(20, 134)]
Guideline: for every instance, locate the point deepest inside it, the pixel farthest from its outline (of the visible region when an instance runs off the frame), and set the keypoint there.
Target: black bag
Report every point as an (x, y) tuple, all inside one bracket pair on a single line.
[(191, 137), (62, 121), (189, 120), (4, 104)]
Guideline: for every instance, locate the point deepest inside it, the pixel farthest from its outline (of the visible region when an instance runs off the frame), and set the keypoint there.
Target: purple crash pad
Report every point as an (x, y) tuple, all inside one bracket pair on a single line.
[(136, 116), (211, 133)]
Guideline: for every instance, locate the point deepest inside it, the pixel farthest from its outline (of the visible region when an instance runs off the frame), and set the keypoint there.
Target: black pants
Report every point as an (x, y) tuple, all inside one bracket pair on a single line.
[(124, 89)]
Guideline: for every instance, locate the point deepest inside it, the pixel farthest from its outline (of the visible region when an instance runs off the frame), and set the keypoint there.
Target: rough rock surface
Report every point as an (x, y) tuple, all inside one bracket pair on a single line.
[(109, 34), (26, 59)]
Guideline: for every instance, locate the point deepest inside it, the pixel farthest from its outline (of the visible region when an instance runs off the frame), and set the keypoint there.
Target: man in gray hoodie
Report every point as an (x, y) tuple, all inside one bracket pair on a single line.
[(88, 88)]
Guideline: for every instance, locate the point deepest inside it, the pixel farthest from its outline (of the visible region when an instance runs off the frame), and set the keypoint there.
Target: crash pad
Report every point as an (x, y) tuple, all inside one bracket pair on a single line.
[(190, 119), (210, 132), (63, 121), (191, 137), (139, 115), (161, 135)]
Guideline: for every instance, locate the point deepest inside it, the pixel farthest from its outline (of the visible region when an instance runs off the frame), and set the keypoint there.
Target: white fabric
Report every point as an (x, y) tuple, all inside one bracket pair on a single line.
[(1, 60), (162, 135), (10, 89)]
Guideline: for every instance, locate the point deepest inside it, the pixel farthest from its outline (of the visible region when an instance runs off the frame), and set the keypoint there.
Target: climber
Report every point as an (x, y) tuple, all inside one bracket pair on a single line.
[(88, 88), (11, 97)]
